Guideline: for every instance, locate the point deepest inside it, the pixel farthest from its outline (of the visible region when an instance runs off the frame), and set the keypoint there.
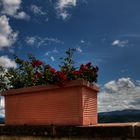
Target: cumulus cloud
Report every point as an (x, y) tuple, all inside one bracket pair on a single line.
[(120, 94), (37, 10), (10, 7), (120, 43), (123, 83), (7, 62), (13, 8), (7, 35), (39, 41), (62, 6)]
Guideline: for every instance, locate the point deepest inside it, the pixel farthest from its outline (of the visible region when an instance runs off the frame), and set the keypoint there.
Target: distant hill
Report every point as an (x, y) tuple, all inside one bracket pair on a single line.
[(119, 116)]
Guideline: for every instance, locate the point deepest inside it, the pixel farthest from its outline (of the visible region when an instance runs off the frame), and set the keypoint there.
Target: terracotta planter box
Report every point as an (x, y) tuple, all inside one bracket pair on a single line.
[(73, 104)]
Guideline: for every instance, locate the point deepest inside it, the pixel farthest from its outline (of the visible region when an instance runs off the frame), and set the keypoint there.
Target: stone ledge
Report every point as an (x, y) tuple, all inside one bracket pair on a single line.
[(109, 130)]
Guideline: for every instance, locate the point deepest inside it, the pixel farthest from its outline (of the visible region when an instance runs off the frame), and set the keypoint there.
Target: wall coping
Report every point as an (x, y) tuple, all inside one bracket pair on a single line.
[(106, 131), (74, 83), (133, 124)]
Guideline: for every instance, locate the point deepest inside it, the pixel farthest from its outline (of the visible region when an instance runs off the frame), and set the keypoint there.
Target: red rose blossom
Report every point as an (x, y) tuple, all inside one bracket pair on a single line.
[(62, 75), (52, 70), (36, 63), (77, 72), (38, 74), (83, 67), (48, 67)]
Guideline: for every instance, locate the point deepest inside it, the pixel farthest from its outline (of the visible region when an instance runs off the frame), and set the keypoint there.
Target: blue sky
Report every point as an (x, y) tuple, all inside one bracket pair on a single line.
[(106, 33)]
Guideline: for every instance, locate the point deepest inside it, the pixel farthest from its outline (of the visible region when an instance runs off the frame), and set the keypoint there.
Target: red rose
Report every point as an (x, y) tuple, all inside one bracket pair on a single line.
[(83, 67), (37, 63), (52, 70), (47, 66), (38, 74), (62, 75), (77, 72)]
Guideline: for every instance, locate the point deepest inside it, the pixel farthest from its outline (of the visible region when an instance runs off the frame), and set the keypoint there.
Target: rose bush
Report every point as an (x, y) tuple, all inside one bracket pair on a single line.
[(33, 72)]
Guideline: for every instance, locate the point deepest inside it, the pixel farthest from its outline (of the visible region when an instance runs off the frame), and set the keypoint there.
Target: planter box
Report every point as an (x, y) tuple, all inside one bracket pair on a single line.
[(73, 104)]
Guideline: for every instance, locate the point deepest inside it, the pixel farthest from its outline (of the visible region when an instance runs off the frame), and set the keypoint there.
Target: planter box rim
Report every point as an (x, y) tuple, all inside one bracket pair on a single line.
[(73, 83)]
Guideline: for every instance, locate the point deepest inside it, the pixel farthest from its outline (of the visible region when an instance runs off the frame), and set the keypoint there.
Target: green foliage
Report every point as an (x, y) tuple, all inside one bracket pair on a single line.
[(68, 61), (3, 85), (33, 72)]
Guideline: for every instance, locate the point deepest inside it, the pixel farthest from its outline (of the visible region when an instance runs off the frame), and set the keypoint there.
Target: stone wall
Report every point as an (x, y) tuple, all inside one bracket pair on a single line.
[(123, 131)]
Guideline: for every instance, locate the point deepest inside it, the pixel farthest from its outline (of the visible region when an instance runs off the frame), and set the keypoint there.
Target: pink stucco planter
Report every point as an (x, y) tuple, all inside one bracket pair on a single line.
[(73, 104)]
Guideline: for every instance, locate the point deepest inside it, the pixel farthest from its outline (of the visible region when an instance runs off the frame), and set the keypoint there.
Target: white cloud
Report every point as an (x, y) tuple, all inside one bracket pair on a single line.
[(82, 41), (120, 43), (52, 58), (30, 40), (37, 10), (119, 95), (7, 36), (10, 7), (22, 15), (79, 49), (64, 15), (54, 51), (138, 82), (62, 6), (123, 83), (13, 8), (39, 41), (7, 62)]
